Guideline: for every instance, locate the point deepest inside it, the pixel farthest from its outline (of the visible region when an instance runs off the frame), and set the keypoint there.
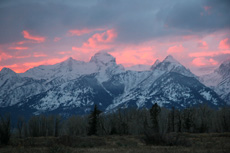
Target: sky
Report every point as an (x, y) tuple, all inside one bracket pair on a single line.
[(44, 32)]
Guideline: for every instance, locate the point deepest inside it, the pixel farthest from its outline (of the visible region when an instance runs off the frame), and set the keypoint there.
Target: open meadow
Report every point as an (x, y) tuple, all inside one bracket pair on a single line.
[(194, 143)]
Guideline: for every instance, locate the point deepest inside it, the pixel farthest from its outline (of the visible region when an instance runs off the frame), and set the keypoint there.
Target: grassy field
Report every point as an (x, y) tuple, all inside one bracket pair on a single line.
[(195, 143)]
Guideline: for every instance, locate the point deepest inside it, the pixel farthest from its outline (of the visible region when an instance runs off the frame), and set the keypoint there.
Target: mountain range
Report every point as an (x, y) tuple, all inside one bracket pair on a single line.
[(74, 87)]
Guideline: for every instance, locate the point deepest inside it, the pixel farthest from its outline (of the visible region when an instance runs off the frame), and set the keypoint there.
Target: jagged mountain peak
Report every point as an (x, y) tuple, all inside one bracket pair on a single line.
[(102, 57), (224, 69), (226, 62), (170, 59), (70, 59), (219, 80), (170, 64), (70, 62), (155, 64), (6, 71)]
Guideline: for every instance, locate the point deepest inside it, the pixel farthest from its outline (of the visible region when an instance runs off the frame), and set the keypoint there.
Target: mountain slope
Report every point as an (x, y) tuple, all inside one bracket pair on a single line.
[(219, 80), (169, 89), (74, 87)]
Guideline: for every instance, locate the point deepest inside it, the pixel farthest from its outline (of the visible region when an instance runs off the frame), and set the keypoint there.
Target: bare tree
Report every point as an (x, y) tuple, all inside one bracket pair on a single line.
[(20, 124)]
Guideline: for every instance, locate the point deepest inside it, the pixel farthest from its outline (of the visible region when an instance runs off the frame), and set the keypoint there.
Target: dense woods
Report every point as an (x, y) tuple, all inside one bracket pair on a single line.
[(153, 123)]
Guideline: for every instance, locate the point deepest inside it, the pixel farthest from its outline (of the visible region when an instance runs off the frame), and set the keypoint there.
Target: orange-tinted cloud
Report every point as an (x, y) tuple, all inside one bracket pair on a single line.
[(201, 61), (19, 48), (224, 44), (175, 49), (37, 39), (80, 32), (202, 44)]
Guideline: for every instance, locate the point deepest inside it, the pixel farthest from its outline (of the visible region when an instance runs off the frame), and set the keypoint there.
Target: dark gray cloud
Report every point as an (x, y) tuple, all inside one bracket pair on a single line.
[(197, 16), (135, 20)]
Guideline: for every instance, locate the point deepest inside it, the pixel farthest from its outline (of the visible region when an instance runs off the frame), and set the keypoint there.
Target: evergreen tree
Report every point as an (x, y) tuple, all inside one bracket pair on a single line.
[(154, 114), (93, 121), (5, 130)]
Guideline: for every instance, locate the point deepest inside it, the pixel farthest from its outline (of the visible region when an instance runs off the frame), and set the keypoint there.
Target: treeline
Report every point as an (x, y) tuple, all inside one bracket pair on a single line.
[(148, 122)]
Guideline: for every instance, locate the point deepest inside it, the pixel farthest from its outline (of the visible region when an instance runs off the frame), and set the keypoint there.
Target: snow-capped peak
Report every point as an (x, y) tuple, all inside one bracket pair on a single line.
[(70, 59), (155, 64), (6, 74), (170, 59), (102, 57), (224, 69), (169, 64)]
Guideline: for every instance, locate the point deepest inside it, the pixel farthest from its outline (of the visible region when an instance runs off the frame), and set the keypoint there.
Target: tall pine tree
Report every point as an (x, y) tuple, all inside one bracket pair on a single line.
[(93, 121), (154, 114)]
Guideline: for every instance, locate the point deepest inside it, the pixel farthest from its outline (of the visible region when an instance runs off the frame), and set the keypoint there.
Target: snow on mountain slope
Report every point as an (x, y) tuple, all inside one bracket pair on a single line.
[(102, 63), (69, 69), (170, 89), (219, 80), (15, 88), (106, 66), (82, 92), (139, 67), (170, 64), (155, 64), (74, 87)]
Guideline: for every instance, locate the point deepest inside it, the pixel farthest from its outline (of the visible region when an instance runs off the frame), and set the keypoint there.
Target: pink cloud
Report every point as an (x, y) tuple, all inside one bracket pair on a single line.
[(98, 42), (175, 49), (22, 42), (4, 56), (201, 61), (99, 39), (14, 67), (19, 48), (224, 44), (132, 55), (26, 56), (80, 32), (208, 54), (44, 62), (37, 39), (65, 52), (202, 44), (37, 54)]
